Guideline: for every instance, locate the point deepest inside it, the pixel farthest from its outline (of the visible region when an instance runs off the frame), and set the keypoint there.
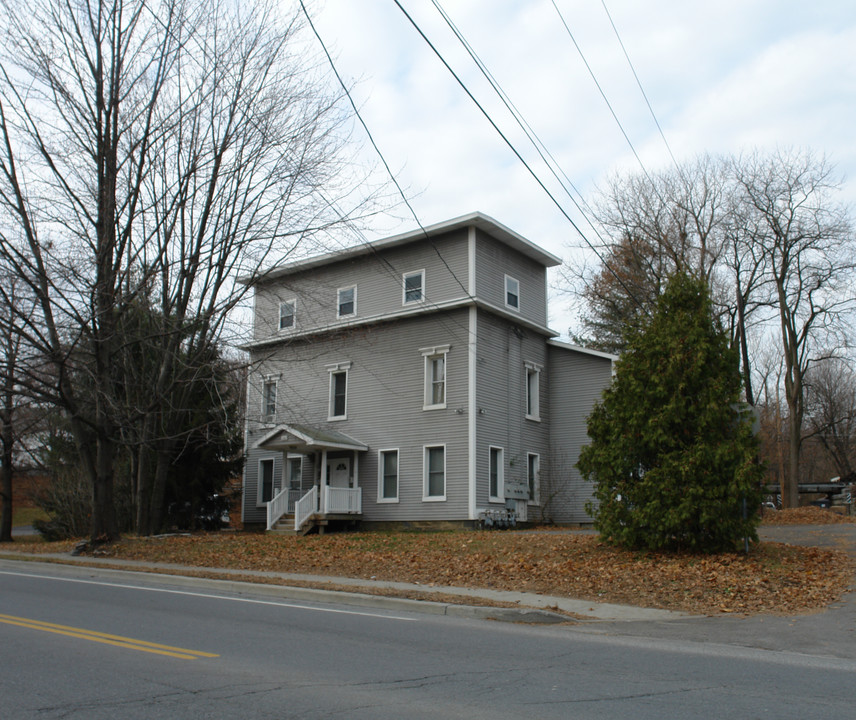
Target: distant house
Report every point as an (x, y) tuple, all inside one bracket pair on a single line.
[(414, 380)]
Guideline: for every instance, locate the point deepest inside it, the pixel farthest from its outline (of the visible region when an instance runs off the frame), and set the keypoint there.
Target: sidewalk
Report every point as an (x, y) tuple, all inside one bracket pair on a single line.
[(533, 607)]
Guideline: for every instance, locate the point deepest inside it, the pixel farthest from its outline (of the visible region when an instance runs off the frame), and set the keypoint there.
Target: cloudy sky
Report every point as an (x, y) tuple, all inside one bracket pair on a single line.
[(727, 76)]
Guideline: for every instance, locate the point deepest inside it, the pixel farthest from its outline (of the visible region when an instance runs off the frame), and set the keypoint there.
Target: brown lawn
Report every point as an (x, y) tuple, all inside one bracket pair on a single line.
[(772, 578)]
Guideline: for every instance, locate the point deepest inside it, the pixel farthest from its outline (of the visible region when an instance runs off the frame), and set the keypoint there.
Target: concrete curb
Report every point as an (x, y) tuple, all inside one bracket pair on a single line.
[(533, 608)]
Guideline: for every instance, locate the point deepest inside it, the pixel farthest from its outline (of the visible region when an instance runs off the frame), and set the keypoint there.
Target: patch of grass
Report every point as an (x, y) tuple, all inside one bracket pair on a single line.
[(26, 515)]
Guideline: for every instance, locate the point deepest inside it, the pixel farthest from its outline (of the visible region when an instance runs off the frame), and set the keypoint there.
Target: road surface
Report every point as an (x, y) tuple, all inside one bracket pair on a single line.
[(89, 643)]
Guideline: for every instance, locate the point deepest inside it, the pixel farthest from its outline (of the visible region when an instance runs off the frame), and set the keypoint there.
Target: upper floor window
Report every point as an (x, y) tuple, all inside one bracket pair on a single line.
[(434, 473), (338, 409), (347, 301), (269, 397), (533, 391), (414, 286), (496, 473), (512, 293), (387, 482), (435, 377), (287, 312)]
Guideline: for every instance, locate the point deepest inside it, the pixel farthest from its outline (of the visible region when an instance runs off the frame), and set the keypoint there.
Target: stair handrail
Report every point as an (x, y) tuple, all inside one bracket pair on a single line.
[(305, 508), (277, 507)]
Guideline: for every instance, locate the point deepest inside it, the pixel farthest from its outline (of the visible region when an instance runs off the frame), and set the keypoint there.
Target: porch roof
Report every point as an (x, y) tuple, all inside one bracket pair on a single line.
[(306, 439)]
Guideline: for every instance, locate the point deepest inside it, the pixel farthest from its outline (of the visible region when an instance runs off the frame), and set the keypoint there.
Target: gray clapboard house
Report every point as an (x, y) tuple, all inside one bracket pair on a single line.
[(414, 380)]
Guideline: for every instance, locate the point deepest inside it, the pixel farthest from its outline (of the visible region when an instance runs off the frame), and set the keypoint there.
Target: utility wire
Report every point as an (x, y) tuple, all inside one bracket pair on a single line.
[(503, 136), (540, 147), (600, 89), (380, 154), (639, 84), (522, 160)]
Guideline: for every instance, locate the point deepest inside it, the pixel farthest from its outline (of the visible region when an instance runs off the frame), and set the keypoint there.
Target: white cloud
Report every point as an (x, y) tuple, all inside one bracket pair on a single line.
[(721, 76)]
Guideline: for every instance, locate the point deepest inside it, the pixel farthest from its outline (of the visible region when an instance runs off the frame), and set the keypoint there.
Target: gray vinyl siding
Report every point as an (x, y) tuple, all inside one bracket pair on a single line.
[(577, 381), (495, 260), (500, 382), (252, 511), (385, 397), (378, 279)]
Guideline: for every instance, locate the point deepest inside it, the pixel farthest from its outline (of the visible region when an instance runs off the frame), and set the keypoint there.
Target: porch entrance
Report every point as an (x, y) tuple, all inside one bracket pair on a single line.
[(339, 472), (335, 493)]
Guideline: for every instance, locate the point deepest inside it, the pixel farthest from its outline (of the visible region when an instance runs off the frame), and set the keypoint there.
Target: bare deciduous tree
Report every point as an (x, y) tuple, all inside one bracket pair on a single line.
[(806, 241), (150, 150), (764, 231), (831, 410)]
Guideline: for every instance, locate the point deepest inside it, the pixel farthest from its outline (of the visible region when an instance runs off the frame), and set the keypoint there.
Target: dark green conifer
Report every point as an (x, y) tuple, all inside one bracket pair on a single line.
[(673, 453)]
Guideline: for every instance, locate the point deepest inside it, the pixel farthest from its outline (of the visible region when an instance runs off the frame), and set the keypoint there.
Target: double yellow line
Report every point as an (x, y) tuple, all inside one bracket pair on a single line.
[(106, 638)]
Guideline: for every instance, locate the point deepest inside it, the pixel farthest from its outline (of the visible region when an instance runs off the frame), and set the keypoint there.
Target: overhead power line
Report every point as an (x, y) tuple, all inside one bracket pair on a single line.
[(639, 83)]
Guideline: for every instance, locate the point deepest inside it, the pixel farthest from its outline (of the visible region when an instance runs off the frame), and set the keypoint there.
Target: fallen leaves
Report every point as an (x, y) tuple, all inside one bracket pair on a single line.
[(808, 515), (772, 578)]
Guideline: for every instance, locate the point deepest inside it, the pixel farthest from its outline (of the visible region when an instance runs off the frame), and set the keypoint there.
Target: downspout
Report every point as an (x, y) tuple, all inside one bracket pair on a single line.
[(472, 366)]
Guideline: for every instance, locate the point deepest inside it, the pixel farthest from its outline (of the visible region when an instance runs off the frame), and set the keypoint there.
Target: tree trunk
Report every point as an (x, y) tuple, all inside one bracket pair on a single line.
[(159, 488), (143, 522), (103, 527), (790, 482), (6, 497)]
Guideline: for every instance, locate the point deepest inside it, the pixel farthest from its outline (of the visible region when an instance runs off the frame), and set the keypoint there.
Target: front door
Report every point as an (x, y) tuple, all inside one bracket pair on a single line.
[(339, 472)]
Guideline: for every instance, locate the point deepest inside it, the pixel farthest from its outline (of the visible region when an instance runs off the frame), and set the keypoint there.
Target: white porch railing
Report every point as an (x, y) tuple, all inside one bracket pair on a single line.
[(343, 500), (277, 507), (305, 507), (282, 504)]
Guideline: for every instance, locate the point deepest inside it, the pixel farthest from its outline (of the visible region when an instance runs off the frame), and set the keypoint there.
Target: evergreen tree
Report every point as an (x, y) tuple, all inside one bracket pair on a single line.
[(673, 454)]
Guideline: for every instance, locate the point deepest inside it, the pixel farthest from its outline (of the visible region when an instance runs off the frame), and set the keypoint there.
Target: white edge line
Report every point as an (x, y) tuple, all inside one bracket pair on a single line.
[(207, 595)]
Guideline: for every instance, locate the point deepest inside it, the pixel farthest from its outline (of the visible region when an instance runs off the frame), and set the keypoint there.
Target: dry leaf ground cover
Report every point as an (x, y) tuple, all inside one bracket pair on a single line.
[(773, 578)]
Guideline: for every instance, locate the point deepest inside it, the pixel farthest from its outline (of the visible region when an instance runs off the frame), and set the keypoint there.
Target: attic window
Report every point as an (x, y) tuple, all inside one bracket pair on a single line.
[(512, 293), (347, 301), (286, 314), (414, 287)]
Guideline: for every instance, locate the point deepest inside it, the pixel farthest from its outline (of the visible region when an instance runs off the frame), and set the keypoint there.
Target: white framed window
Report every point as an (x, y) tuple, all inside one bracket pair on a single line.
[(265, 488), (387, 476), (533, 391), (287, 314), (338, 408), (512, 293), (435, 377), (346, 301), (496, 474), (413, 287), (434, 473), (269, 397), (533, 476)]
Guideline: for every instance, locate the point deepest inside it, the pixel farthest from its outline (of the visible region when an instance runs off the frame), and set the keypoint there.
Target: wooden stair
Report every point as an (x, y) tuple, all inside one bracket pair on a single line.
[(285, 525)]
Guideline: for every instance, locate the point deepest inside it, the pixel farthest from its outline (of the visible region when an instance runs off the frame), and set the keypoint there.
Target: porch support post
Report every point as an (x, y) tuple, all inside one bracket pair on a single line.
[(322, 491)]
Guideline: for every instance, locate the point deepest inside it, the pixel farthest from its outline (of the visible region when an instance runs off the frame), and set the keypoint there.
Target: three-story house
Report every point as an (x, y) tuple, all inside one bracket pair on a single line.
[(414, 380)]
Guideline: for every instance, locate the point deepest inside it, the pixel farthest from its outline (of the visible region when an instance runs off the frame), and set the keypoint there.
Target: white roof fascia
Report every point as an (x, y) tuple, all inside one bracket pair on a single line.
[(476, 219), (583, 350)]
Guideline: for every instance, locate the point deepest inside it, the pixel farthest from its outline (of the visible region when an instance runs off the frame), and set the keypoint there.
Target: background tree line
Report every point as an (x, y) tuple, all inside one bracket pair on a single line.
[(150, 153), (768, 236)]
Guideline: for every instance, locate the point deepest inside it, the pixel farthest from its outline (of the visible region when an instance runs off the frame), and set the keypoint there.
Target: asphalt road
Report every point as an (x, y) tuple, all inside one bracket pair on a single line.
[(212, 654)]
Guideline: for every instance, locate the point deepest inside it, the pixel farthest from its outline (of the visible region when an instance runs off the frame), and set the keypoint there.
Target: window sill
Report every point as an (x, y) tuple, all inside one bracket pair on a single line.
[(496, 499), (336, 418), (534, 418), (434, 407), (387, 501), (434, 498)]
